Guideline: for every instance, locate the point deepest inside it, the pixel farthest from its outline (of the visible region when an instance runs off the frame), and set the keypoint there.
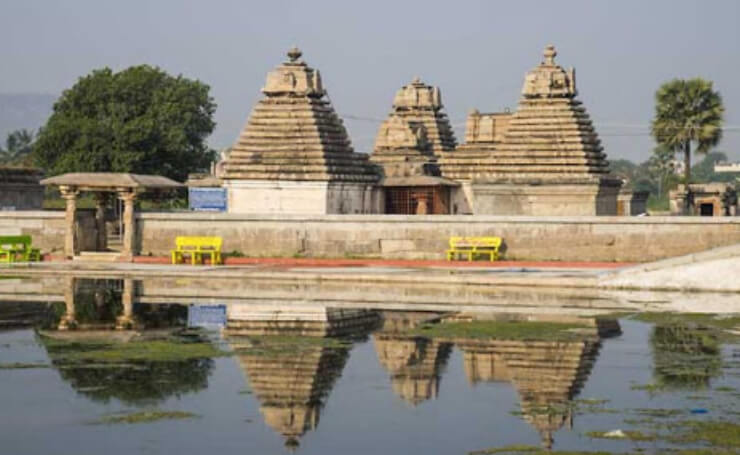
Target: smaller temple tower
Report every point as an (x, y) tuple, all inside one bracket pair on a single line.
[(415, 134), (294, 154)]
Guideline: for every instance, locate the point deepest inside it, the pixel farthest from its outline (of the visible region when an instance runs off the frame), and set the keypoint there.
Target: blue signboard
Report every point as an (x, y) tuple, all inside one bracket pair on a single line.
[(207, 199), (208, 316)]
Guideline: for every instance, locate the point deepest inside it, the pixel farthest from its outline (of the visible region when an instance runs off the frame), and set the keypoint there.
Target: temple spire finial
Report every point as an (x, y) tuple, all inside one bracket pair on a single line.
[(294, 54), (550, 54)]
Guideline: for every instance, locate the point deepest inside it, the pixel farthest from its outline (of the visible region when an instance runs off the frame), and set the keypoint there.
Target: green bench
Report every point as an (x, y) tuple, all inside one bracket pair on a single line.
[(18, 247)]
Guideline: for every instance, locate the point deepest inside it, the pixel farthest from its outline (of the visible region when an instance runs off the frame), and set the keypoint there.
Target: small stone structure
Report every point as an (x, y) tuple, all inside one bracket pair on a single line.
[(409, 141), (20, 189), (709, 199), (632, 203), (294, 154), (127, 188), (544, 159)]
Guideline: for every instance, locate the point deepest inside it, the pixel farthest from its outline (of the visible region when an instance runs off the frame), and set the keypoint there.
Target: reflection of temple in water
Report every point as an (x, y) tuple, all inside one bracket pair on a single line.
[(106, 304), (292, 358), (101, 314), (547, 375), (414, 363)]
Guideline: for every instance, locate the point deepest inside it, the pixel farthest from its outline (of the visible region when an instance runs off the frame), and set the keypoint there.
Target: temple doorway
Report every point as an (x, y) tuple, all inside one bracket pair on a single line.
[(417, 200)]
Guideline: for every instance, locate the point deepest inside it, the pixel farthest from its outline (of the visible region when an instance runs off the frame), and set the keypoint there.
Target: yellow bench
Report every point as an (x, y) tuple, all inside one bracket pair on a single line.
[(473, 247), (196, 248)]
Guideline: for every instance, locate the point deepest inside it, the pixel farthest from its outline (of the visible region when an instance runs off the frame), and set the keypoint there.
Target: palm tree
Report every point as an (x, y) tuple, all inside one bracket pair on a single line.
[(686, 112)]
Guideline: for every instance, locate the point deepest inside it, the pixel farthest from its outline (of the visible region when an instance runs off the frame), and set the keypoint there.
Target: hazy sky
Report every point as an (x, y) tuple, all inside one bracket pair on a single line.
[(476, 51)]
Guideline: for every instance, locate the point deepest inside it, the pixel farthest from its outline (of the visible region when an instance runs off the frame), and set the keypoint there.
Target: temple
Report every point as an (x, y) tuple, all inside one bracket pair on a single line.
[(409, 141), (415, 364), (294, 154), (292, 359), (543, 159)]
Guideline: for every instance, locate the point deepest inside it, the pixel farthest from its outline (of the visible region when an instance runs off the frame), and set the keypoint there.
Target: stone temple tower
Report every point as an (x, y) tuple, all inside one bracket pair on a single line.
[(409, 142), (294, 154), (543, 159)]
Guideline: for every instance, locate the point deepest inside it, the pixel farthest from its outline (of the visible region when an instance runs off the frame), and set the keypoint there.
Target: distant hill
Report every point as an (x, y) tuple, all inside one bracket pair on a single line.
[(24, 110)]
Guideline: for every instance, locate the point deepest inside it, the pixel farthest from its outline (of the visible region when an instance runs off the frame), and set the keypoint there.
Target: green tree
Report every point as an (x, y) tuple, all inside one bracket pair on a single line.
[(688, 112), (624, 169), (703, 171), (18, 146), (660, 166), (139, 120)]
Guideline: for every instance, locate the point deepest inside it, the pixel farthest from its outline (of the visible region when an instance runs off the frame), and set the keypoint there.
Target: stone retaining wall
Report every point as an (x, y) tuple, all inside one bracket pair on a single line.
[(632, 239), (47, 228)]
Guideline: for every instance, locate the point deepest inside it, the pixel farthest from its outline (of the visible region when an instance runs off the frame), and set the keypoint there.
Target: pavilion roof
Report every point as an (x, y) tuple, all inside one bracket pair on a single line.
[(102, 181)]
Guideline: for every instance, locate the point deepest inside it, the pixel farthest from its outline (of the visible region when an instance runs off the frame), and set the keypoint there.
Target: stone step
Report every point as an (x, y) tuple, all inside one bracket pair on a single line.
[(98, 256)]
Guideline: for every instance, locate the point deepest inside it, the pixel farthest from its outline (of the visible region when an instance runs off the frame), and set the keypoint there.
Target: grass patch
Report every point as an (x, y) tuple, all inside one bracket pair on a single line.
[(146, 417), (22, 366), (506, 449), (591, 401), (715, 433), (660, 413), (504, 330), (725, 389), (631, 435), (531, 450), (272, 345), (651, 388), (173, 349), (717, 325)]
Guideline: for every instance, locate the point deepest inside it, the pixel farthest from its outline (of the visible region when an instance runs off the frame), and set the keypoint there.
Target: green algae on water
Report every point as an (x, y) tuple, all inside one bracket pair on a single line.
[(22, 366), (504, 330), (631, 435), (660, 413), (531, 450), (506, 450), (103, 351), (272, 345), (718, 433), (146, 417)]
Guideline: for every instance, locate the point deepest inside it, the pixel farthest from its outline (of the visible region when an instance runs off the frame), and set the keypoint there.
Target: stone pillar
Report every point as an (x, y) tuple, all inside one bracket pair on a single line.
[(101, 243), (68, 321), (70, 196), (126, 320), (129, 229)]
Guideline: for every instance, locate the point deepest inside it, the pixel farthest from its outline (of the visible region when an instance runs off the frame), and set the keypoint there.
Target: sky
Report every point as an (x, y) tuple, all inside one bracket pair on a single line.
[(477, 52)]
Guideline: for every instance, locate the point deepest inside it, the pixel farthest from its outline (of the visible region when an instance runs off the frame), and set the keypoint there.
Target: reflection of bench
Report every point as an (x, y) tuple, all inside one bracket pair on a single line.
[(196, 248), (473, 247), (14, 247)]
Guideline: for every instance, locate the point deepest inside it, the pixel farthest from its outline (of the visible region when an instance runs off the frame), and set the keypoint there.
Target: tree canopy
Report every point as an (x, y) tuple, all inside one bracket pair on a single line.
[(139, 120), (688, 112), (17, 149)]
